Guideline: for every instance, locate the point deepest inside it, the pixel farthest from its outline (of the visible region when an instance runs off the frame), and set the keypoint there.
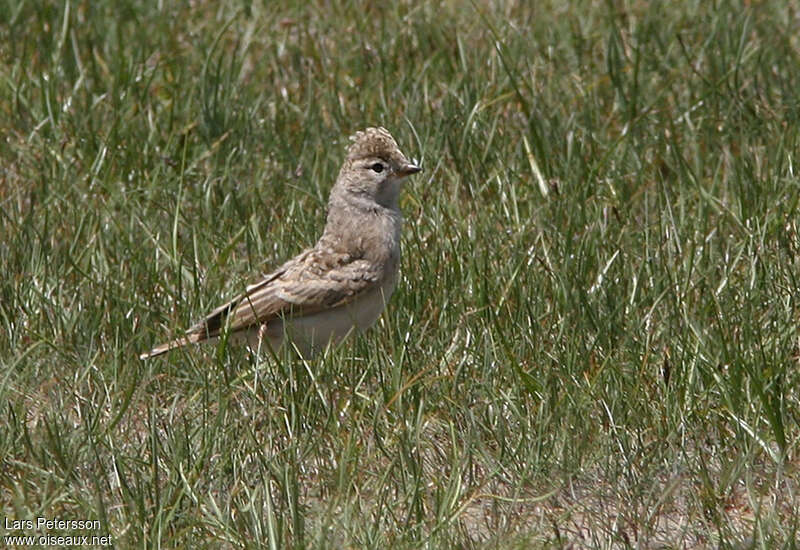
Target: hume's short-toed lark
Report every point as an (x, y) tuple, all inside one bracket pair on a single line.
[(343, 282)]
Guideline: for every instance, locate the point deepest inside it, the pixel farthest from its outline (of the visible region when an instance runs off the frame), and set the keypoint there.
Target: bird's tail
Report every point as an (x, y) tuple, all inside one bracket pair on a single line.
[(161, 349)]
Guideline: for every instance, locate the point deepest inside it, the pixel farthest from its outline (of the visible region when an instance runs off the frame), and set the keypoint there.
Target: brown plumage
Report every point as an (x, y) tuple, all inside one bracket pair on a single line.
[(340, 284)]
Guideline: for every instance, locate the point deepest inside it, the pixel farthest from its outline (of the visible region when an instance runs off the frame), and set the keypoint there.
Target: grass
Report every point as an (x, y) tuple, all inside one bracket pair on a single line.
[(594, 341)]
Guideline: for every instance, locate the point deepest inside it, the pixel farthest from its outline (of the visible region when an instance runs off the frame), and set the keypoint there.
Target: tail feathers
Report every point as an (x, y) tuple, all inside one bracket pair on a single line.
[(161, 349)]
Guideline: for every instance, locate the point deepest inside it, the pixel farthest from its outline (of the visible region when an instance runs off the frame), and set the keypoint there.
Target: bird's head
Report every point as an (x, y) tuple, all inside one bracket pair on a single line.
[(375, 167)]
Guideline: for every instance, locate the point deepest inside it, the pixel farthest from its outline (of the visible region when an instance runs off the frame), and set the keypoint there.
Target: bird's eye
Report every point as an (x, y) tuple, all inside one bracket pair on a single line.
[(377, 167)]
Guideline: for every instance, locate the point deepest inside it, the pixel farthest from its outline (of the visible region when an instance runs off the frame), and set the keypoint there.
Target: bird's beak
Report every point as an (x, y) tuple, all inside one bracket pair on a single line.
[(408, 169)]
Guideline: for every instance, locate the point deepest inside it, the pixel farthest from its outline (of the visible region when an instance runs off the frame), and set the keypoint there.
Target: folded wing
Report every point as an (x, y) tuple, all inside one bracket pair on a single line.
[(303, 286), (295, 289)]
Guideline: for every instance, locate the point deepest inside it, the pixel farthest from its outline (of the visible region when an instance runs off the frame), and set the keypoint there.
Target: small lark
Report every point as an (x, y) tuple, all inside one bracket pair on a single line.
[(341, 284)]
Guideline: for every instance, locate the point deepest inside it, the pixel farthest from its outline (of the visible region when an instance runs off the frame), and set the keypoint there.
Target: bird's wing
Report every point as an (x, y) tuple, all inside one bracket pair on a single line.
[(310, 283)]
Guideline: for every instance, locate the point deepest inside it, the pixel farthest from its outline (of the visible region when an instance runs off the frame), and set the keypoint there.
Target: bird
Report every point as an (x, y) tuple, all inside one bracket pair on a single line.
[(338, 286)]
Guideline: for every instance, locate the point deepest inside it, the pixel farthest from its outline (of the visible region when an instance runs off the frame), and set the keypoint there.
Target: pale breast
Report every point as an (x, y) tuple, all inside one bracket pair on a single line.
[(311, 333)]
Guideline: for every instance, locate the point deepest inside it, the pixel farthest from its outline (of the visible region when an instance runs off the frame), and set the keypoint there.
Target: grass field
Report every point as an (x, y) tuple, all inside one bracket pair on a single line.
[(594, 340)]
